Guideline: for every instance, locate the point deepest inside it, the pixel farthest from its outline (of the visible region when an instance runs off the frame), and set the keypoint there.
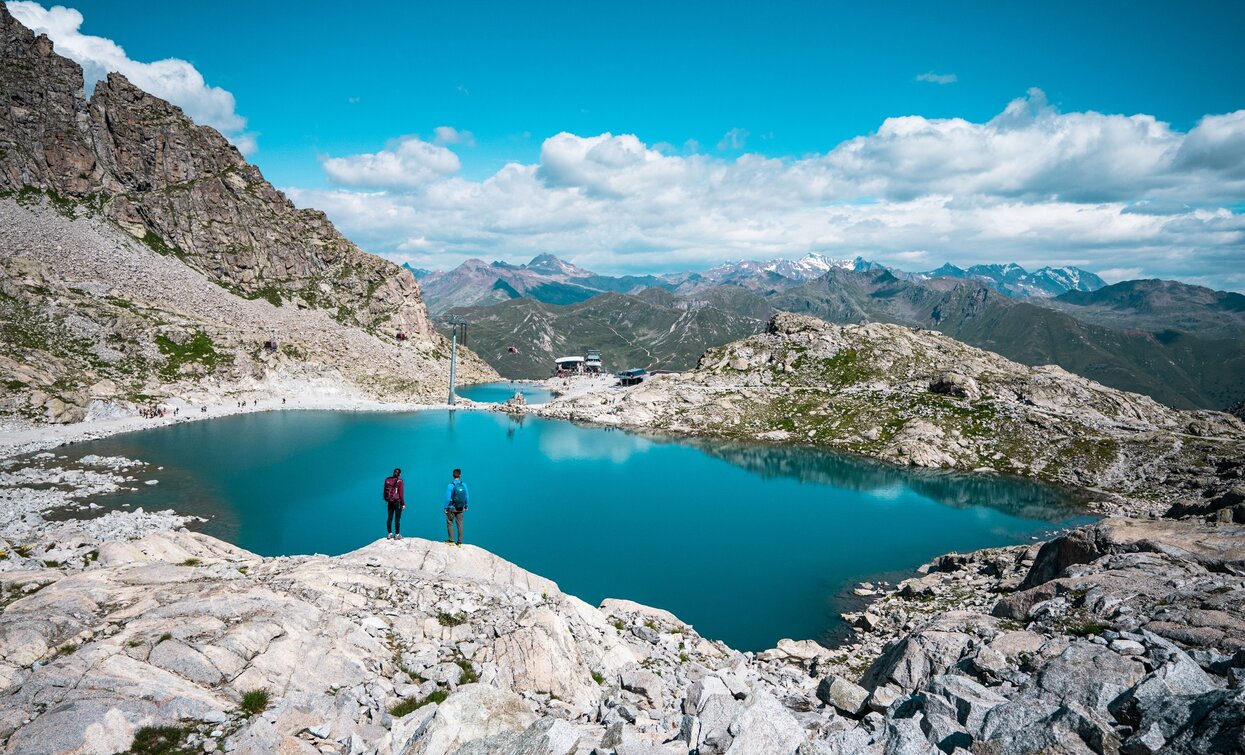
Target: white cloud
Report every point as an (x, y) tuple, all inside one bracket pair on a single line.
[(172, 79), (736, 138), (407, 163), (938, 78), (449, 135), (1031, 185), (1117, 274)]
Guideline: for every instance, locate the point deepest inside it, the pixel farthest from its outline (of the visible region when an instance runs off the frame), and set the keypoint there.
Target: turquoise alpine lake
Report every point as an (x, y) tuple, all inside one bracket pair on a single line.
[(748, 543), (501, 392)]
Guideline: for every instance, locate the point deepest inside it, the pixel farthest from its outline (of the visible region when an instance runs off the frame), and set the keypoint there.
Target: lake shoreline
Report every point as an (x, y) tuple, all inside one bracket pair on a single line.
[(931, 485), (25, 440), (20, 437), (845, 693)]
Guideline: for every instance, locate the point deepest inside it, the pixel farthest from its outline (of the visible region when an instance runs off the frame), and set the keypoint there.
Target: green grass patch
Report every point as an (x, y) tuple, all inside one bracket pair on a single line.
[(158, 245), (845, 368), (270, 294), (254, 701), (468, 675), (446, 619), (598, 678), (191, 562), (412, 704), (164, 638), (62, 204), (160, 740), (415, 676), (198, 350), (69, 648), (1087, 628)]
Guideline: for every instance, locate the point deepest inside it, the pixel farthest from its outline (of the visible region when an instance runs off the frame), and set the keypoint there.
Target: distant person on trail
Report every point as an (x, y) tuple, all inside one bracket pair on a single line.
[(395, 500), (455, 505)]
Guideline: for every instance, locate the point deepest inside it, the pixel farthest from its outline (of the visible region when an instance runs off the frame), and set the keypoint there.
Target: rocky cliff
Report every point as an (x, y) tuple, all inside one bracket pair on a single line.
[(184, 189), (919, 398), (144, 258)]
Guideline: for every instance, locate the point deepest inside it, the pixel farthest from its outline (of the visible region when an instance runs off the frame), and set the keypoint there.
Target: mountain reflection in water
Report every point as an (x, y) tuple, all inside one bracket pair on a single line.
[(1011, 495)]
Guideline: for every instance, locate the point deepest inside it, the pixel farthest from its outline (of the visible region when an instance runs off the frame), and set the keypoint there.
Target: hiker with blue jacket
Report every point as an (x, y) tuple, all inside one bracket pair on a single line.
[(455, 505)]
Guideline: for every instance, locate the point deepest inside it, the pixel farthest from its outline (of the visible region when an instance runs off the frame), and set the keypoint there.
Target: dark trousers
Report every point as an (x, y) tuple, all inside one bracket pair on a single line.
[(452, 518), (394, 518)]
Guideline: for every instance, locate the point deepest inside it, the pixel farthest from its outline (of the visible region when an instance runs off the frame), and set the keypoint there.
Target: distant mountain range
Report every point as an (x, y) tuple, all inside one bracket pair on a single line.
[(653, 329), (1181, 369), (545, 279), (1157, 305), (1183, 345), (1014, 281), (554, 281)]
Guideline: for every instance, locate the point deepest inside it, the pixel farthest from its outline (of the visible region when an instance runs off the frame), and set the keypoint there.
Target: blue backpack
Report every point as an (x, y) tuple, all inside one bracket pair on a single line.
[(459, 496)]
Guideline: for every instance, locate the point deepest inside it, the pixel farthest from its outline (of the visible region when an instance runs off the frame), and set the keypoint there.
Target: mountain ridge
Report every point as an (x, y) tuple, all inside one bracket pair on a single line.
[(144, 260), (182, 189), (652, 329), (552, 280), (1180, 370), (1158, 305), (545, 278)]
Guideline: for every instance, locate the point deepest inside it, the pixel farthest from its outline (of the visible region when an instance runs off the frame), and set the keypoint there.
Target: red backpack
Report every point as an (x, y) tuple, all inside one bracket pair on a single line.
[(391, 489)]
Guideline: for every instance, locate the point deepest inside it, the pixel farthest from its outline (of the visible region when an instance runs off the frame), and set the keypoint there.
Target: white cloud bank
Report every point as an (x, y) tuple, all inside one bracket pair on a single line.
[(172, 79), (1124, 195), (937, 78), (1117, 194), (408, 162)]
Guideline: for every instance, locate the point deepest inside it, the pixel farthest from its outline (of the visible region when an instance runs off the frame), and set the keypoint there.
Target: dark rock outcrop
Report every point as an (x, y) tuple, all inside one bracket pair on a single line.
[(1228, 506), (1130, 640), (1216, 549)]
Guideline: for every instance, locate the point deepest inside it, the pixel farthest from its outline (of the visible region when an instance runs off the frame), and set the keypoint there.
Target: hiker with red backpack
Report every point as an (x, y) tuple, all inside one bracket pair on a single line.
[(395, 498)]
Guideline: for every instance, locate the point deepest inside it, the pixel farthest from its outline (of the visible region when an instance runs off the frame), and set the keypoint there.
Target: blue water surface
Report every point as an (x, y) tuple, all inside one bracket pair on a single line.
[(503, 391), (749, 543)]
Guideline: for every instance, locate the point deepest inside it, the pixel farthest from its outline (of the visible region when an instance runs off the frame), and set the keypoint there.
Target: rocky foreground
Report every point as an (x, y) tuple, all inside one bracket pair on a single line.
[(916, 397), (119, 633)]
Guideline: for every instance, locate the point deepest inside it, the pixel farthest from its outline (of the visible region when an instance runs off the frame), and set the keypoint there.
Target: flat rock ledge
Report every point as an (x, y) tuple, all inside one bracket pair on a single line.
[(1125, 636)]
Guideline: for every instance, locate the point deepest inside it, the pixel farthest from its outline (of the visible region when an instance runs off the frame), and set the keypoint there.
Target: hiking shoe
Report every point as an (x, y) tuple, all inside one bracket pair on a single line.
[(396, 536), (449, 542), (389, 536), (458, 544)]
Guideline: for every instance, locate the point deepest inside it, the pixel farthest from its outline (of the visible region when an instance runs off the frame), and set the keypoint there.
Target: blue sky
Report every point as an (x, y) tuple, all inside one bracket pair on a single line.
[(726, 94)]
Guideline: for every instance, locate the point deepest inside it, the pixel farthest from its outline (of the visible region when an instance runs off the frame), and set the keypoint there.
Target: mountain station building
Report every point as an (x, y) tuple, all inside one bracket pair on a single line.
[(588, 364)]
